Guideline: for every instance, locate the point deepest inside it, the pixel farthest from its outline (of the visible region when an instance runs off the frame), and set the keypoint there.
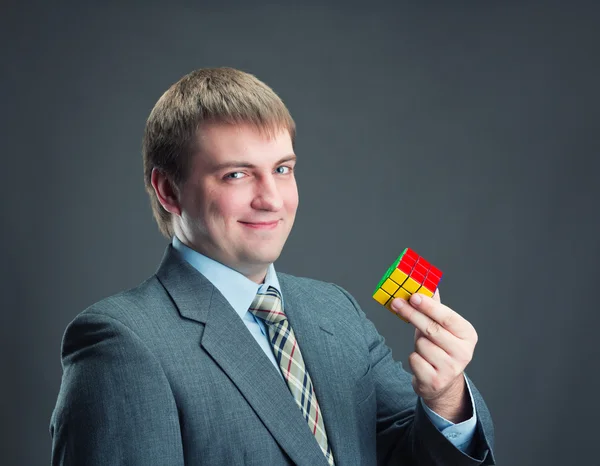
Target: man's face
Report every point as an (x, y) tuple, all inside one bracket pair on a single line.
[(239, 181)]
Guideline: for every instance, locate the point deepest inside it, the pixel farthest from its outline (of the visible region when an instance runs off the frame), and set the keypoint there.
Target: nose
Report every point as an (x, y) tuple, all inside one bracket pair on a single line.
[(267, 196)]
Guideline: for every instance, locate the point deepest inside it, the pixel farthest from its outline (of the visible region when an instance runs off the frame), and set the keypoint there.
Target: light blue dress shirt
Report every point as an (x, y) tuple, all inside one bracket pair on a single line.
[(240, 291)]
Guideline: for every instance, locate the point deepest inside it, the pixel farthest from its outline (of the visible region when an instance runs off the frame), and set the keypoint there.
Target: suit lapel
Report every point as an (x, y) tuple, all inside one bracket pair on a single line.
[(233, 348), (317, 338)]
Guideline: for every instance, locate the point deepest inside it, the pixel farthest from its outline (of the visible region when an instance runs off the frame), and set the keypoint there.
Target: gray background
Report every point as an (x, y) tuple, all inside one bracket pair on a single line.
[(465, 130)]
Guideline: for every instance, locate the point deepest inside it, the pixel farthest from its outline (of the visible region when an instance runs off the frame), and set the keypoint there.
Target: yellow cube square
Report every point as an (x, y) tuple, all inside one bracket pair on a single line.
[(425, 291), (402, 293), (398, 276), (381, 296), (390, 286), (411, 285)]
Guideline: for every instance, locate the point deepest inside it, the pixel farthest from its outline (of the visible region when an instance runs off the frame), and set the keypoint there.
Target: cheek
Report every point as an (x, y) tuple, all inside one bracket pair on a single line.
[(228, 209), (291, 196), (289, 193)]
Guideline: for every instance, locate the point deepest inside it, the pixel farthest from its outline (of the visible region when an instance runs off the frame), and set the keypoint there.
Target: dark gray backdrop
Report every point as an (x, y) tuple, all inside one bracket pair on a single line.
[(468, 132)]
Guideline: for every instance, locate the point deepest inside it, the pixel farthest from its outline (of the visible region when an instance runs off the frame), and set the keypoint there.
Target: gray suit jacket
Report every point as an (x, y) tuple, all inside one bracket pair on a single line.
[(168, 374)]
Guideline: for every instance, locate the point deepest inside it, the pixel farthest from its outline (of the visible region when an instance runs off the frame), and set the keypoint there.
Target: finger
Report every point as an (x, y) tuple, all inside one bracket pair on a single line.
[(427, 326), (423, 372), (418, 334), (436, 296), (443, 315), (434, 355)]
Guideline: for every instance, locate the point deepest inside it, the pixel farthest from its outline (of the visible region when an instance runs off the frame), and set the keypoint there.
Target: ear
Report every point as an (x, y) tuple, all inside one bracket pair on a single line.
[(166, 191)]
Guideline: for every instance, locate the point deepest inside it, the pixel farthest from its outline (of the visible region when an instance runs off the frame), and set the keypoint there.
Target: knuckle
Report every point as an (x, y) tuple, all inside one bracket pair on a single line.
[(413, 357), (464, 357), (421, 343), (450, 319), (464, 362), (468, 357), (433, 328), (455, 366)]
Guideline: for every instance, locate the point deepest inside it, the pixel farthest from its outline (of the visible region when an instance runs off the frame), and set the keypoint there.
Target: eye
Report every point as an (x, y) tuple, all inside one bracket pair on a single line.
[(233, 176), (284, 167)]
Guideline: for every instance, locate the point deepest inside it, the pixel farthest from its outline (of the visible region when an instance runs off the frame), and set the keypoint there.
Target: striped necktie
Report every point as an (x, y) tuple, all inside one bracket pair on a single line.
[(268, 307)]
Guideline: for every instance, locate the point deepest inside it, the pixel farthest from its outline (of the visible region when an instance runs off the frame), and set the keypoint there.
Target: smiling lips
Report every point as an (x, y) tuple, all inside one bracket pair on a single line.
[(261, 225)]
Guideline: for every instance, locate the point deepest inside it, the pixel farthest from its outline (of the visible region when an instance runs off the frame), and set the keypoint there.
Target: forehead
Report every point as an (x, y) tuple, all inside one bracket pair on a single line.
[(223, 143)]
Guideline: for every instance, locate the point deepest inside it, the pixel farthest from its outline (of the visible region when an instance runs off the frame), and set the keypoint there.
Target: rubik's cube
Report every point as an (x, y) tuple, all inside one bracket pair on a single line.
[(409, 274)]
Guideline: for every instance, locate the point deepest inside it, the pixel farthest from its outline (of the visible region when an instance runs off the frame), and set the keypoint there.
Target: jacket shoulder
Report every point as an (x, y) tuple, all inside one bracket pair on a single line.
[(317, 288), (137, 300), (305, 283)]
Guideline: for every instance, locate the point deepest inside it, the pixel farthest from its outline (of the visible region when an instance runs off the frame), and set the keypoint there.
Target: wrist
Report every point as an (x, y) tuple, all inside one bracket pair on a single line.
[(454, 403)]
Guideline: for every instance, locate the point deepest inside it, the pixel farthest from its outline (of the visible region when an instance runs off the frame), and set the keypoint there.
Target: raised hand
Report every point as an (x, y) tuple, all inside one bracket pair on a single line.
[(444, 345)]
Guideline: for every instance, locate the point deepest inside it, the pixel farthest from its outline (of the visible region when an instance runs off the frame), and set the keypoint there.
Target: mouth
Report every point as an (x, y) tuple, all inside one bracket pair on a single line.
[(261, 225)]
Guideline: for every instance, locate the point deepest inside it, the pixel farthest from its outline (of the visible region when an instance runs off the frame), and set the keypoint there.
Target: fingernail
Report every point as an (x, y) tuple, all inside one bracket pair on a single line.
[(415, 299), (397, 304)]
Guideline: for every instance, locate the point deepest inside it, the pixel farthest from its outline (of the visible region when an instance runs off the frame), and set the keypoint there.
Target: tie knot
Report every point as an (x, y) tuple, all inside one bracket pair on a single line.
[(267, 306)]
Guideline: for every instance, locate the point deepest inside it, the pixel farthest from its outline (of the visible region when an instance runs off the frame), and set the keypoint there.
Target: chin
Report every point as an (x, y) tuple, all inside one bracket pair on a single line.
[(266, 257)]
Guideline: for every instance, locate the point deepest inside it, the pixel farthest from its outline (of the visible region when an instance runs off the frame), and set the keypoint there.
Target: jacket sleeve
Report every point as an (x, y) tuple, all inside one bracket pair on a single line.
[(115, 405), (405, 434)]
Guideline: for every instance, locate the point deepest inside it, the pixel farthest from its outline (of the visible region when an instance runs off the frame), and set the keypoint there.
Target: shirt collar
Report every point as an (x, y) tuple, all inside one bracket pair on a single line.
[(237, 289)]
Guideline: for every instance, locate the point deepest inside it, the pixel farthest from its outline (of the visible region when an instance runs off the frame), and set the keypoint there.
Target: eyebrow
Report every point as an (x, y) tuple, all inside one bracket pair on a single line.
[(241, 164)]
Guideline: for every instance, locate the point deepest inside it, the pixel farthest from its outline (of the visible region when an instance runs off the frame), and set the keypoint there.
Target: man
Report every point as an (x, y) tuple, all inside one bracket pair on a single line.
[(219, 360)]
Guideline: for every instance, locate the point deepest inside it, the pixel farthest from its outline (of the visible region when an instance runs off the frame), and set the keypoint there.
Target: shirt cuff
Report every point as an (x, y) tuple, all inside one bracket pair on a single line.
[(461, 434)]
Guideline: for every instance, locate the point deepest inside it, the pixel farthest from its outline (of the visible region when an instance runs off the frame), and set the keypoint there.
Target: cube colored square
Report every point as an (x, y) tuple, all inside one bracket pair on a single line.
[(425, 291), (402, 293), (420, 268), (381, 297), (424, 263), (405, 267), (409, 253), (418, 277), (399, 276), (435, 271), (390, 286), (409, 261), (431, 284), (411, 285)]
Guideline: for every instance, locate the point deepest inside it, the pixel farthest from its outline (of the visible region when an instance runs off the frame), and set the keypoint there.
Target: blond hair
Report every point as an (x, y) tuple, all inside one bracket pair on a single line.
[(207, 95)]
